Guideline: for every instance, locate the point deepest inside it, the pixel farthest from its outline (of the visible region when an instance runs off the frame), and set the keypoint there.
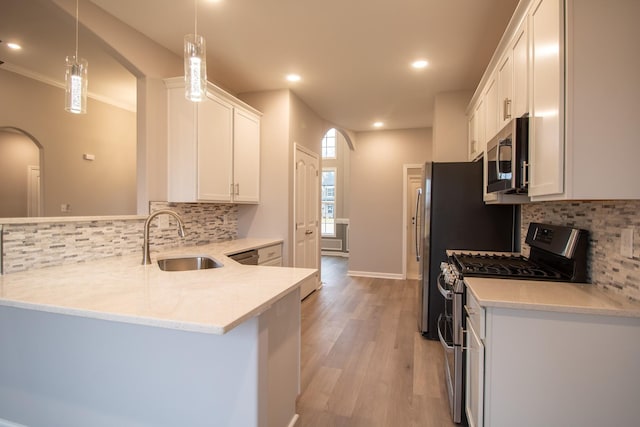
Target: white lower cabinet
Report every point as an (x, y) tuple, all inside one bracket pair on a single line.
[(537, 368), (270, 255), (474, 378)]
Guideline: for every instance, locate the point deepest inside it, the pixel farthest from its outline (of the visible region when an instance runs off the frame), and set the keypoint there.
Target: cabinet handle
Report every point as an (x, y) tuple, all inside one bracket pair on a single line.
[(237, 193), (506, 108), (231, 189), (525, 174)]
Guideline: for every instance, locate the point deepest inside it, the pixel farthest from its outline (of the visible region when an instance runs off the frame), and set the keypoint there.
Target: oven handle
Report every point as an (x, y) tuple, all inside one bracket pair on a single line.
[(441, 338), (447, 294)]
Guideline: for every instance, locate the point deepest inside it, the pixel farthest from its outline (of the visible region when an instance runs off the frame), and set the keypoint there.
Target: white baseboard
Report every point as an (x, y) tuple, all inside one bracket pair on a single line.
[(375, 275), (7, 423)]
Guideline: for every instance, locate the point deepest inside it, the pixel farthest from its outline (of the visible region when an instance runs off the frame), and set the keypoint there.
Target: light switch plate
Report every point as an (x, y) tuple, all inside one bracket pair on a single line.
[(626, 242)]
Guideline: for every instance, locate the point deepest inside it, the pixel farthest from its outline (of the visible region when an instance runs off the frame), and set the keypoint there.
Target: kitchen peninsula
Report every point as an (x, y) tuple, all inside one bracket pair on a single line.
[(113, 342)]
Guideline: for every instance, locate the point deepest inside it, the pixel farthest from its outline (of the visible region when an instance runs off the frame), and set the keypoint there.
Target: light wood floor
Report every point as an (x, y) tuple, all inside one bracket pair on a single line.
[(363, 361)]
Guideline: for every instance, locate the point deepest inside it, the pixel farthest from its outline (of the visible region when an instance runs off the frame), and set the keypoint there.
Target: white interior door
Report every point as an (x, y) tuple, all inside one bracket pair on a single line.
[(33, 191), (307, 213), (413, 183)]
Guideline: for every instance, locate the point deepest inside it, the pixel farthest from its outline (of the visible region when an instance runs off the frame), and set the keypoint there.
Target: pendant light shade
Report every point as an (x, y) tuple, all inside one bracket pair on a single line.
[(76, 85), (76, 80), (195, 67)]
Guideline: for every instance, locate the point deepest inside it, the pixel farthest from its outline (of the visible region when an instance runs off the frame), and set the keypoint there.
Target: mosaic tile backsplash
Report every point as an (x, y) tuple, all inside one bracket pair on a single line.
[(30, 246), (605, 220)]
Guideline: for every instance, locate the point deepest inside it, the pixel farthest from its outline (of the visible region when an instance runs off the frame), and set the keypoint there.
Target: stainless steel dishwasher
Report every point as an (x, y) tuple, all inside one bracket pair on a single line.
[(246, 257)]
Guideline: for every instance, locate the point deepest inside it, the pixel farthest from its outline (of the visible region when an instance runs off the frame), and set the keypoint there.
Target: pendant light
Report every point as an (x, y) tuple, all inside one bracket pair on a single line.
[(195, 64), (76, 80)]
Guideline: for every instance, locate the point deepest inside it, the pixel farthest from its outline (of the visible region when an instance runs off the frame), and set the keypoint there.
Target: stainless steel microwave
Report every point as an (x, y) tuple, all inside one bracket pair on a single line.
[(507, 158)]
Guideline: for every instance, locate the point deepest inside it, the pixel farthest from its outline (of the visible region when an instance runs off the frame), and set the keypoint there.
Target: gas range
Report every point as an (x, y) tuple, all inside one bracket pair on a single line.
[(557, 254)]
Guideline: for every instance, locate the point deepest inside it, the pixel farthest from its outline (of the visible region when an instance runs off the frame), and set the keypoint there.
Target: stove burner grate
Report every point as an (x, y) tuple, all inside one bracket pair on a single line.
[(505, 266)]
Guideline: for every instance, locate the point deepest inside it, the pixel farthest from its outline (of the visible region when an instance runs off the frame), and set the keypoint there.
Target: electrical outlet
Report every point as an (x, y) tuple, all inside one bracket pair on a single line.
[(626, 242), (65, 208)]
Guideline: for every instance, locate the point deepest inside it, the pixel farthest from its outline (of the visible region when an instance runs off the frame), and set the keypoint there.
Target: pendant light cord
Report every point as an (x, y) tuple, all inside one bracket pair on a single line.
[(195, 6), (76, 30)]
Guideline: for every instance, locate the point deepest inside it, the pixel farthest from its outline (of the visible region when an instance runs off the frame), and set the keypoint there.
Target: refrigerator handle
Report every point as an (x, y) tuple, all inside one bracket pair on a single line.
[(416, 224)]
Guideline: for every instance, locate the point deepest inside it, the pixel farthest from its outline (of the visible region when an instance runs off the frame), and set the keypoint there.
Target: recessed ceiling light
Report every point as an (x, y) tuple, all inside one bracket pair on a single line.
[(293, 78), (378, 124), (14, 46), (420, 63)]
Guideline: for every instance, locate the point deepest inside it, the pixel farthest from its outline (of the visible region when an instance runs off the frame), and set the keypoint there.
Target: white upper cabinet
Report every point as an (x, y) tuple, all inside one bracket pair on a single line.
[(546, 127), (477, 141), (491, 109), (505, 89), (573, 66), (520, 59), (246, 158), (513, 78), (213, 148)]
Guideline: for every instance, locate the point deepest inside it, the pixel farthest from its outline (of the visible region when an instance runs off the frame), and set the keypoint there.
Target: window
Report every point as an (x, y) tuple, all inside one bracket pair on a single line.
[(329, 144), (329, 202)]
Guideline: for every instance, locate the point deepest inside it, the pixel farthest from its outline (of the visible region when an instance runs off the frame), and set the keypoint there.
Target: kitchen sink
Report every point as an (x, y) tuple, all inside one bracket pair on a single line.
[(188, 263)]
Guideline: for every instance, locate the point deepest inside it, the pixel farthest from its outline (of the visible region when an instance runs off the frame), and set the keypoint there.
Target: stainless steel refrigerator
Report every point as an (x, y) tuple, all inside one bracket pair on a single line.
[(451, 214)]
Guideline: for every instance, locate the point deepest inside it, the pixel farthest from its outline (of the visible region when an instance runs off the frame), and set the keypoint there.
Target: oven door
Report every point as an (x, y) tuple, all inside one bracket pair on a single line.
[(449, 327), (445, 334)]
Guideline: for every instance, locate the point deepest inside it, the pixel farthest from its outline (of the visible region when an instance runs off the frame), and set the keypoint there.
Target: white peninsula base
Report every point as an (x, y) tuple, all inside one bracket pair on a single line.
[(66, 370)]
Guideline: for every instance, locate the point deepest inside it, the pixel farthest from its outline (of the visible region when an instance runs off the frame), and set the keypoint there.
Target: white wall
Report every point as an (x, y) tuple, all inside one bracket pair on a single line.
[(269, 218), (17, 153), (450, 127), (105, 186), (286, 120), (376, 198)]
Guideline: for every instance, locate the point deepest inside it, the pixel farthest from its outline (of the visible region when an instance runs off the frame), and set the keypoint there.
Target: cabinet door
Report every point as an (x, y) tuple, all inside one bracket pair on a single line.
[(473, 137), (505, 90), (491, 110), (546, 127), (246, 157), (182, 147), (214, 150), (520, 54), (480, 126), (474, 378)]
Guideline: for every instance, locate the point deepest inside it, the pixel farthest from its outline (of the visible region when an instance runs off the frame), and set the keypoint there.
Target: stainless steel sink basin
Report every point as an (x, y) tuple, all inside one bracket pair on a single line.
[(188, 263)]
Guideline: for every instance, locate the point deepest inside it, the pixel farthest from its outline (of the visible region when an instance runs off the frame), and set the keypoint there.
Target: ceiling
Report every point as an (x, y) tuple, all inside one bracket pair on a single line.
[(354, 56)]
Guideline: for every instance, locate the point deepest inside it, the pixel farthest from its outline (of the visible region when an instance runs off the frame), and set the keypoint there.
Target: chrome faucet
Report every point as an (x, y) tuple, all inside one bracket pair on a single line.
[(146, 259)]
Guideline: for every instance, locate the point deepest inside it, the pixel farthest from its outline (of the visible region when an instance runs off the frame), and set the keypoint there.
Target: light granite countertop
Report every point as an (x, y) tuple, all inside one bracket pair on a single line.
[(564, 297), (120, 289)]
